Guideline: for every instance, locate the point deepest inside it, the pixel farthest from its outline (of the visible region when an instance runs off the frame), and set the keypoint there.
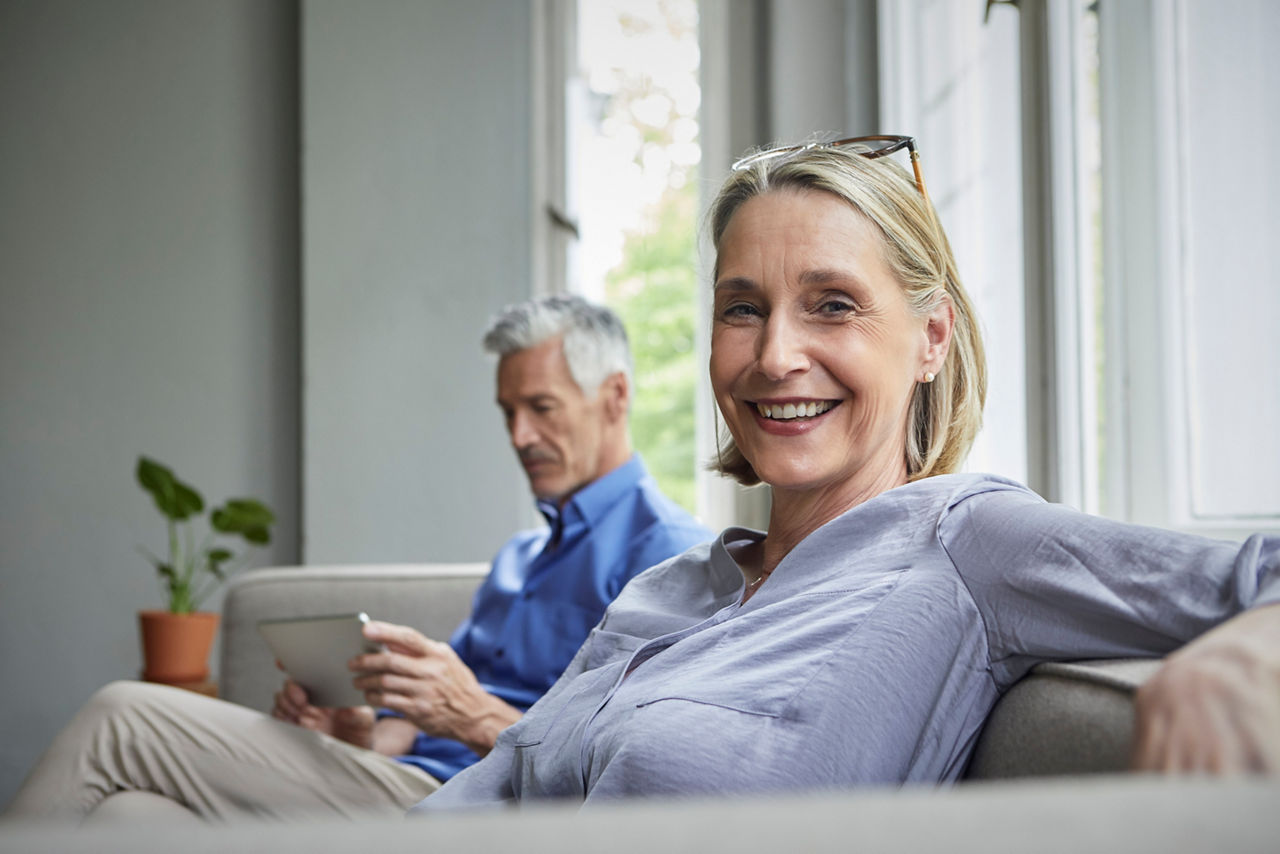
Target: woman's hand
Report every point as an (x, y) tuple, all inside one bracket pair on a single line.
[(1214, 707), (353, 725), (425, 681)]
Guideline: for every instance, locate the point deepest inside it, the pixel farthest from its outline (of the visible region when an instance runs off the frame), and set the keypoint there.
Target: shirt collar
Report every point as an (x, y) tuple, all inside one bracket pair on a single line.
[(594, 500)]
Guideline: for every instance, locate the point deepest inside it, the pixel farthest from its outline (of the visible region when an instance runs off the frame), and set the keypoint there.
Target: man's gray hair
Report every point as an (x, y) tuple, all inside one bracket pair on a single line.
[(595, 341)]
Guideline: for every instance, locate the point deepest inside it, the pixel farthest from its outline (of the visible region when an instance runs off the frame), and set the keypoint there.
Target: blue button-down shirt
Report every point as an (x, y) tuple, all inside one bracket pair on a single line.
[(548, 587)]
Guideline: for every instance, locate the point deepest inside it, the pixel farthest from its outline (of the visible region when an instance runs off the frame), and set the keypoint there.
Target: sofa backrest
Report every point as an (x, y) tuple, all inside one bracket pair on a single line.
[(432, 598), (1063, 718)]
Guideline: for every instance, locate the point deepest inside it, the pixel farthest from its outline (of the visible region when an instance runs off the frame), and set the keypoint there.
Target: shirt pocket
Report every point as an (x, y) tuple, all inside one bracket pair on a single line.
[(756, 664), (761, 694)]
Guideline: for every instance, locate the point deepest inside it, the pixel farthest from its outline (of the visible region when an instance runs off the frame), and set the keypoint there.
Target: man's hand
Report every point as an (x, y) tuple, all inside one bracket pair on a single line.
[(425, 681), (1214, 707), (353, 725)]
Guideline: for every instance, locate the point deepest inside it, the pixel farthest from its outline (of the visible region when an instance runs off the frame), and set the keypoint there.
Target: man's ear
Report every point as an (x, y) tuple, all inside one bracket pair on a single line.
[(939, 323), (616, 394)]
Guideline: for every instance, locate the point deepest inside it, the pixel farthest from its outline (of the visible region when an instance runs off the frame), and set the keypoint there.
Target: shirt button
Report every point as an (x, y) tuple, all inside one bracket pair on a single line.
[(526, 595), (499, 652)]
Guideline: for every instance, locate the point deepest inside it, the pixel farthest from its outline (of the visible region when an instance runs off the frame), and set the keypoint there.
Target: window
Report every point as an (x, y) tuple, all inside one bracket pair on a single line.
[(636, 143), (1099, 168), (953, 82), (1142, 309), (1146, 262)]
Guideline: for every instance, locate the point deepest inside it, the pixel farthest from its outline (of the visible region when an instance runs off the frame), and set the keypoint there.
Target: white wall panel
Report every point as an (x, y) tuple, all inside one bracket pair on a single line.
[(1192, 217), (1229, 80)]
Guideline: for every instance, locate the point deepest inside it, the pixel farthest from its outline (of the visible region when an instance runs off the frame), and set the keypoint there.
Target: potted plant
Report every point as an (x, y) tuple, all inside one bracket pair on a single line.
[(176, 641)]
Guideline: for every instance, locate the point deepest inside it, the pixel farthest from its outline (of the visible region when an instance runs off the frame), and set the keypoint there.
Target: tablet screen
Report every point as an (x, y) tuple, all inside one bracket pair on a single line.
[(314, 652)]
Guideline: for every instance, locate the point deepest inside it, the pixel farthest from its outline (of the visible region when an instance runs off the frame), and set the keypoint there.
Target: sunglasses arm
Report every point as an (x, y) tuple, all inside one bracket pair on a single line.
[(915, 166)]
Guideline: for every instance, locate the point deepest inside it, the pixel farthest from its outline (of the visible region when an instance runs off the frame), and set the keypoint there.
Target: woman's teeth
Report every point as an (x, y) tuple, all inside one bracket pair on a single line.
[(788, 411)]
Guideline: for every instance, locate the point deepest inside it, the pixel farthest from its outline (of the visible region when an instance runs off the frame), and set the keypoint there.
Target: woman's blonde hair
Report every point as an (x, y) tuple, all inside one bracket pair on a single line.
[(945, 414)]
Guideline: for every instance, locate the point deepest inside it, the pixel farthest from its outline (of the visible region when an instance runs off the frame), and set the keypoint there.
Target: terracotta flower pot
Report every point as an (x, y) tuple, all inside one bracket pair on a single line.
[(175, 647)]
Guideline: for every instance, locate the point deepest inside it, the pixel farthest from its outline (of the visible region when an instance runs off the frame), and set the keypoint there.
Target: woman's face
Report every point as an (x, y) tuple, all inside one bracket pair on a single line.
[(814, 350)]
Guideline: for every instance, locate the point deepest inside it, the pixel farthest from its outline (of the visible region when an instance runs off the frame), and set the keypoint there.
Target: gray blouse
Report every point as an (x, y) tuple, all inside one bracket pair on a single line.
[(871, 655)]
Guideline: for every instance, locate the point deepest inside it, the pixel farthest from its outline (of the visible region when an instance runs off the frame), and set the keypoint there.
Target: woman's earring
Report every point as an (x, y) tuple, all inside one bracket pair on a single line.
[(928, 376)]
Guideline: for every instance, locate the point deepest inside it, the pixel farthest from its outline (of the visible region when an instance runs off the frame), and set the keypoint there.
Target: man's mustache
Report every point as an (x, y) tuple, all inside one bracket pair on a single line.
[(536, 455)]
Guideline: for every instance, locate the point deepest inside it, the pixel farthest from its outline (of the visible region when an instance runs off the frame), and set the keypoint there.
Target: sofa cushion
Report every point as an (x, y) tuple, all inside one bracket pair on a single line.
[(1063, 718)]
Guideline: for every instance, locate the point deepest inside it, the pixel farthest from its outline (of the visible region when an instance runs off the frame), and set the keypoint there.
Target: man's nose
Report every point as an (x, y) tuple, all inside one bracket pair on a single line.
[(522, 431), (782, 348)]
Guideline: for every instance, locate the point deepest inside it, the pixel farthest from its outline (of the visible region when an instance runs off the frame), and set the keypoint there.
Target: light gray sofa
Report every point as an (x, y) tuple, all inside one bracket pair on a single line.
[(1066, 725), (1069, 718)]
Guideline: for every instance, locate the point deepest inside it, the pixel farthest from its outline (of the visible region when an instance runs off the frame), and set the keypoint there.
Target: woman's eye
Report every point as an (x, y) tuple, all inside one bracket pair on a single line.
[(835, 307), (740, 310)]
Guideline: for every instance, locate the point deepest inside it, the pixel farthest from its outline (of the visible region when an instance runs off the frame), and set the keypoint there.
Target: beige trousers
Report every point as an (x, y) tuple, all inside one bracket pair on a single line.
[(217, 759)]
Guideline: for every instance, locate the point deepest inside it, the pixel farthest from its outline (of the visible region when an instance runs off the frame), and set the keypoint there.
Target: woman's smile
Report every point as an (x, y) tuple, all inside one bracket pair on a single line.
[(791, 416)]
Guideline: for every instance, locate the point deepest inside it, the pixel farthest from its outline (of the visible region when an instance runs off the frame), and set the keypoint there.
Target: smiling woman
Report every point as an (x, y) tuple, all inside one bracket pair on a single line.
[(892, 260), (815, 352), (867, 635)]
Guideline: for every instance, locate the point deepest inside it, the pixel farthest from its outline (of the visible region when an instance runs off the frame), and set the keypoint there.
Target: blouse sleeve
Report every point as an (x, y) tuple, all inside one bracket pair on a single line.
[(1053, 583)]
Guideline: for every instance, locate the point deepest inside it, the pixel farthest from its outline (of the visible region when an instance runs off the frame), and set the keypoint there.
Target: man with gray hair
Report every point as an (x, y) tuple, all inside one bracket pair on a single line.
[(564, 388), (564, 384)]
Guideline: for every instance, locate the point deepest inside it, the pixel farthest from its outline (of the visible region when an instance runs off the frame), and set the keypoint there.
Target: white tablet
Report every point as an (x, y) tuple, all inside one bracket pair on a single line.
[(314, 652)]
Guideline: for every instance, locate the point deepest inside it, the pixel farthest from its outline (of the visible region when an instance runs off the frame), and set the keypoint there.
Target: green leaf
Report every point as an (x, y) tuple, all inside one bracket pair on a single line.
[(158, 481), (182, 574), (245, 516), (217, 557), (188, 500), (175, 499), (258, 535), (251, 509), (152, 476)]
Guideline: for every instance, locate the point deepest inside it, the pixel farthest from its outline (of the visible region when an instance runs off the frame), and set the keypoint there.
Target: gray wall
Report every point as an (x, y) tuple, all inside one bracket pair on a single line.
[(417, 199), (163, 290)]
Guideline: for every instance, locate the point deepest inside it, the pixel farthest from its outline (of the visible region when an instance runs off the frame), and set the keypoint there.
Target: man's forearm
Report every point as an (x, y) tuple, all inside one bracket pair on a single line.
[(483, 732), (394, 736)]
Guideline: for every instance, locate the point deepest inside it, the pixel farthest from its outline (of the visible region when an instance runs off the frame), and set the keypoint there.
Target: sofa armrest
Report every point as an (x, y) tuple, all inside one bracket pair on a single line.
[(1071, 717), (432, 598)]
